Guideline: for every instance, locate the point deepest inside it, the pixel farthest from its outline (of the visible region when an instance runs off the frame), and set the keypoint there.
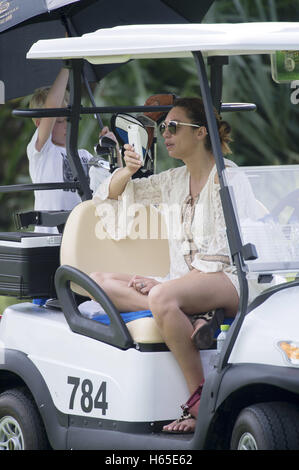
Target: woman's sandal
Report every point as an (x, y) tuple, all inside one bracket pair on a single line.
[(190, 410), (203, 336)]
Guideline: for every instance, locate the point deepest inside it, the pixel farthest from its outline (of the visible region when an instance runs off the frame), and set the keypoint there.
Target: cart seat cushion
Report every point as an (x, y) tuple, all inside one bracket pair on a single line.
[(143, 328), (126, 316), (141, 325), (145, 331)]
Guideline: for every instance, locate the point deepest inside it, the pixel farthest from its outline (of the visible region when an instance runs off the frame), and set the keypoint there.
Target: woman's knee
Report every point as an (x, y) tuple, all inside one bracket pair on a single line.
[(101, 278), (160, 300), (95, 276)]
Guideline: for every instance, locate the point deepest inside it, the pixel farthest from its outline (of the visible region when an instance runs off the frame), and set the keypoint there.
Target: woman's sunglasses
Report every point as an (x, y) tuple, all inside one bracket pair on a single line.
[(172, 126)]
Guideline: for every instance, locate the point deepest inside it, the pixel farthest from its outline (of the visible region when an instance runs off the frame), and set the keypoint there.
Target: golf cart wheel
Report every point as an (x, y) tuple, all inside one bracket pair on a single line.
[(267, 426), (20, 424)]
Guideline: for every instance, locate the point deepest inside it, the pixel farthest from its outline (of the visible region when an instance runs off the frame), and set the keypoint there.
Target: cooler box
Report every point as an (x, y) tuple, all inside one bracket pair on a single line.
[(28, 262)]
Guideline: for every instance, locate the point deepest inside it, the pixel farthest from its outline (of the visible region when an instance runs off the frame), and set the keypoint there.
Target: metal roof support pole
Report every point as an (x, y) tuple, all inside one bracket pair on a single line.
[(69, 26), (211, 120), (73, 128), (232, 227), (216, 63)]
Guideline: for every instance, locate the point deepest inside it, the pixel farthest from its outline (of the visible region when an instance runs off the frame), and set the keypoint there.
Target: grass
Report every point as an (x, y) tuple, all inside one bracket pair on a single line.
[(7, 301)]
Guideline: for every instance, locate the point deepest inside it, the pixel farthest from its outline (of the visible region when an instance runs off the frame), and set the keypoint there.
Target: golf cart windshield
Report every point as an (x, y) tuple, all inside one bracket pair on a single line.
[(267, 213)]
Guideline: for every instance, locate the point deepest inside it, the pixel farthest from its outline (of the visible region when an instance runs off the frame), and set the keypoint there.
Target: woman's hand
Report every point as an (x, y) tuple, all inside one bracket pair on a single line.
[(142, 284), (132, 159)]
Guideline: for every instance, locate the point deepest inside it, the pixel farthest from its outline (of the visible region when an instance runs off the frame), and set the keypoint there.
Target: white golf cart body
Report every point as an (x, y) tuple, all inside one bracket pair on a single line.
[(101, 387)]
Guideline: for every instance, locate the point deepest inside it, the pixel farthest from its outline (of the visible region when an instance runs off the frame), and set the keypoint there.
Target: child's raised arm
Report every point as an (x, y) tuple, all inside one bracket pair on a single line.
[(55, 99)]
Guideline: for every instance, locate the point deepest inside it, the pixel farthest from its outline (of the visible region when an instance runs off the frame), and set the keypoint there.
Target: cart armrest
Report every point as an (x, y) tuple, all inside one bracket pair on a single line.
[(41, 218), (115, 334)]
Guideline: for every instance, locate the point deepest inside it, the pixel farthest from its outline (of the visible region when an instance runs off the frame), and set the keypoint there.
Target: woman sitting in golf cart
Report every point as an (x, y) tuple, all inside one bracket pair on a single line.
[(202, 278)]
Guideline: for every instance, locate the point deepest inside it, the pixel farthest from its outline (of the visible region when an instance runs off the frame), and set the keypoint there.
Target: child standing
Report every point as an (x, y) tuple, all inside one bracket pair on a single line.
[(47, 154)]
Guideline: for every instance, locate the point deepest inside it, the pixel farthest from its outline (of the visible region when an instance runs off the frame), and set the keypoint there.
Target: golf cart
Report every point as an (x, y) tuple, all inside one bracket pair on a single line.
[(72, 382)]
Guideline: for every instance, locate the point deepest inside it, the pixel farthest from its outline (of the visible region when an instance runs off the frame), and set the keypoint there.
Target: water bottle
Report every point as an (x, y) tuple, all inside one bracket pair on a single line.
[(222, 336)]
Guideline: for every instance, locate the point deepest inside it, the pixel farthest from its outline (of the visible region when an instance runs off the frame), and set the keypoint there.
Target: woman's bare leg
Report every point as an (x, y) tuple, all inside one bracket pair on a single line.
[(125, 298), (171, 301)]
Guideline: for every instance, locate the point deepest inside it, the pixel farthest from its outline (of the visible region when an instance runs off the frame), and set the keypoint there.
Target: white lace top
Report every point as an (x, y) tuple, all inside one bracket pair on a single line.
[(196, 234)]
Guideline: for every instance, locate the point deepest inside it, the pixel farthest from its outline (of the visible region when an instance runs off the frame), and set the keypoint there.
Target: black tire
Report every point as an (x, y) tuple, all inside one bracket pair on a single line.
[(267, 426), (20, 419)]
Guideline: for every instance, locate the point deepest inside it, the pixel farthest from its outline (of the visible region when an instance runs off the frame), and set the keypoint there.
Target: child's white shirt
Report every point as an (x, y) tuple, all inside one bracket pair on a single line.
[(50, 165)]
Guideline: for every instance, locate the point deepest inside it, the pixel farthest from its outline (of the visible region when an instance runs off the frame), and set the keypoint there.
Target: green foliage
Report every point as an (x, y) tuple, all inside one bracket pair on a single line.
[(252, 10), (15, 134), (6, 302), (268, 135)]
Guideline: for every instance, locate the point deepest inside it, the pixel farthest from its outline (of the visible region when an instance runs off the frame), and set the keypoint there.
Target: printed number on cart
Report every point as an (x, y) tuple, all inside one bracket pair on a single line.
[(87, 400)]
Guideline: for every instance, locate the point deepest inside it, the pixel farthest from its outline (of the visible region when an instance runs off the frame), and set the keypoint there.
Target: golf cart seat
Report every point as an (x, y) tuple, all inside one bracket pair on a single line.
[(81, 249)]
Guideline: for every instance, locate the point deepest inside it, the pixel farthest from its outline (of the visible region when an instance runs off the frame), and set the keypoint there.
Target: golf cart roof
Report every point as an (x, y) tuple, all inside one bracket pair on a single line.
[(122, 43)]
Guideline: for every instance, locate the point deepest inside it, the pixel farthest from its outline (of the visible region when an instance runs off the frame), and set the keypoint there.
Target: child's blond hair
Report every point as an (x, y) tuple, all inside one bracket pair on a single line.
[(39, 98)]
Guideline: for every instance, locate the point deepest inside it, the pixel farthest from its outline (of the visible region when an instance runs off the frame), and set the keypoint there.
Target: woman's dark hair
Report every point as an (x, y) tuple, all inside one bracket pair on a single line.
[(194, 108)]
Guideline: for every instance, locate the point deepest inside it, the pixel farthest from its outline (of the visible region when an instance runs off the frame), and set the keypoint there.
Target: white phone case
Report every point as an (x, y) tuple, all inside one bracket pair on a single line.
[(134, 139)]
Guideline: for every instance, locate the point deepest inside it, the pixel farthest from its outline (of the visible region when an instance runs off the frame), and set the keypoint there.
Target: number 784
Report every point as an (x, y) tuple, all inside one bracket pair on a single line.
[(85, 392)]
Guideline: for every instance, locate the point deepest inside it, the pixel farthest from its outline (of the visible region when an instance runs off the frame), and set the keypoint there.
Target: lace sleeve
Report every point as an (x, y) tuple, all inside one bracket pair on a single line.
[(217, 255), (103, 189), (147, 191)]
